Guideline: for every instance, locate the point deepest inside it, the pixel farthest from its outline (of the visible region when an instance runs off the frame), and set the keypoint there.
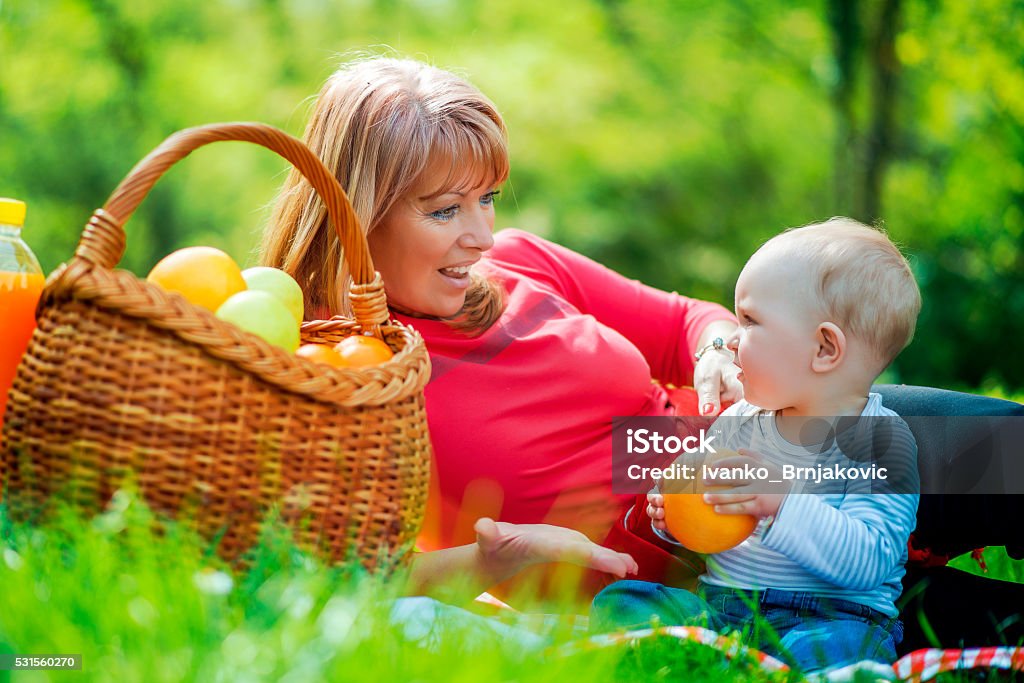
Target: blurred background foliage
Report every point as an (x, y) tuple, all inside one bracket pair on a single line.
[(666, 139)]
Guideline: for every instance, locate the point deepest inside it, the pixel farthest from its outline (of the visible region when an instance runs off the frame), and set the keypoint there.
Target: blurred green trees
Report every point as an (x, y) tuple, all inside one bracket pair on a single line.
[(665, 139)]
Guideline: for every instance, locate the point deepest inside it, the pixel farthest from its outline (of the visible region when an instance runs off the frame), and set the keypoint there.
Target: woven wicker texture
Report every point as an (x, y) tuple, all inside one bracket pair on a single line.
[(122, 379)]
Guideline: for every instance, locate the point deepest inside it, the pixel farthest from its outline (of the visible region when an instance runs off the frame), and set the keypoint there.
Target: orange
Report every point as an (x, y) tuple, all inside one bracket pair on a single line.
[(695, 523), (360, 351), (321, 353), (205, 276)]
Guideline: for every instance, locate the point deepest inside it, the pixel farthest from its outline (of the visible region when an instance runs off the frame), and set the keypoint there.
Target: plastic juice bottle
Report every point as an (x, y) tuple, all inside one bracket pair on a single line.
[(21, 283)]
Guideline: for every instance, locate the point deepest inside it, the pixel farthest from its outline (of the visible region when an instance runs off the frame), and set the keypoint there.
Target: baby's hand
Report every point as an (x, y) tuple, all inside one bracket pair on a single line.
[(748, 497), (656, 510)]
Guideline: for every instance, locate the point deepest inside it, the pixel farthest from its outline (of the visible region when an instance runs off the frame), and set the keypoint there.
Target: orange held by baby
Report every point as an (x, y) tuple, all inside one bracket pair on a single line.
[(695, 523)]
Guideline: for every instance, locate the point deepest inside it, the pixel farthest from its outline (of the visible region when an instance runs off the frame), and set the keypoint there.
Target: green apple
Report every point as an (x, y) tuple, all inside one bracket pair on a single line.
[(277, 283), (264, 315)]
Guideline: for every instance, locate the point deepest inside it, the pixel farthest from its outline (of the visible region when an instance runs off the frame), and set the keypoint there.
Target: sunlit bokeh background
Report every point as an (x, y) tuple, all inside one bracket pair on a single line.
[(666, 139)]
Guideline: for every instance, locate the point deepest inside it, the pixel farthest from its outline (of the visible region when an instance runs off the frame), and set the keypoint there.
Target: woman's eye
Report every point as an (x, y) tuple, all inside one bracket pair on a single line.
[(488, 199), (445, 214)]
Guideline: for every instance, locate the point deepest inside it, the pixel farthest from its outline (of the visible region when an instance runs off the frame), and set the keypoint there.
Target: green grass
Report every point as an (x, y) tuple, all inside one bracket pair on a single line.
[(1000, 565), (145, 606), (147, 602)]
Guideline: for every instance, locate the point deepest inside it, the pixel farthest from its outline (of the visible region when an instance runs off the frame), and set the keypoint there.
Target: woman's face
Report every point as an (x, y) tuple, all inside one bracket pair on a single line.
[(426, 244)]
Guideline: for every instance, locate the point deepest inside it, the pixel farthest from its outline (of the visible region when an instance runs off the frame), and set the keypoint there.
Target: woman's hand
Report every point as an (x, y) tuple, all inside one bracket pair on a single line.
[(501, 551), (714, 378), (714, 375), (508, 548)]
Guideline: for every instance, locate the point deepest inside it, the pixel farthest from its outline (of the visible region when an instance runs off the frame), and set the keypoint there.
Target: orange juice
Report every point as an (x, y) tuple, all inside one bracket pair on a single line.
[(19, 294)]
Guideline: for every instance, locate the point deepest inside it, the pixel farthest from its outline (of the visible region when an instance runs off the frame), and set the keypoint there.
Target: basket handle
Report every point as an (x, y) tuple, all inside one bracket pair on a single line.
[(103, 239)]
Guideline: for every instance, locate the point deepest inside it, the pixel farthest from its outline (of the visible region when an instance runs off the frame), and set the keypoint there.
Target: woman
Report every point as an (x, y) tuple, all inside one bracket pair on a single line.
[(534, 348)]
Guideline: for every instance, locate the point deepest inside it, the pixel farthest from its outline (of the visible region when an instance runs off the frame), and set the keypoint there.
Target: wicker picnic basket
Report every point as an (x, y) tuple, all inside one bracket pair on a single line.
[(122, 379)]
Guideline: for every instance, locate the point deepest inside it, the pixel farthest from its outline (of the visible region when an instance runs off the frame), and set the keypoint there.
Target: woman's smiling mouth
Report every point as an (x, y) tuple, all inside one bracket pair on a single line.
[(455, 271)]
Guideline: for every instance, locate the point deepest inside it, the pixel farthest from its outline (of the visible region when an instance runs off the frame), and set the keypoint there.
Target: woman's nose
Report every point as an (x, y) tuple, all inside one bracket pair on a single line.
[(733, 342), (478, 232)]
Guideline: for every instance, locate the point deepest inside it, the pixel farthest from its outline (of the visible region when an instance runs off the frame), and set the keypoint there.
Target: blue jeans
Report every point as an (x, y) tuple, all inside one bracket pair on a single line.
[(808, 632)]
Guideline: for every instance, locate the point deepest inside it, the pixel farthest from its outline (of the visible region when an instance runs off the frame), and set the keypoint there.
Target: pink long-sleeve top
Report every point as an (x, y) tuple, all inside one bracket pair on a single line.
[(520, 416)]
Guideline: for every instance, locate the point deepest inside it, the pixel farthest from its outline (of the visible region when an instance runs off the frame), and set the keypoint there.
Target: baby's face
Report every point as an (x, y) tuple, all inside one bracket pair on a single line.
[(776, 339)]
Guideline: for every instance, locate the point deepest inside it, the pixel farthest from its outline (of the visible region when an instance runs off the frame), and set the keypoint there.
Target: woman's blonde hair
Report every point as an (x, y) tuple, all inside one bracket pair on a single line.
[(378, 124)]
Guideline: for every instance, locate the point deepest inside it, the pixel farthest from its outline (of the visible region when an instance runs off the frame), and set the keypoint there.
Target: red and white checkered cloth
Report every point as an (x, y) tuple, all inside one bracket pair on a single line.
[(916, 667), (924, 665)]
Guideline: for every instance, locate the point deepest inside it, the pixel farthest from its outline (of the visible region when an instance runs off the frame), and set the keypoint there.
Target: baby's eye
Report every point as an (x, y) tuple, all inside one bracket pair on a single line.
[(489, 198), (446, 214)]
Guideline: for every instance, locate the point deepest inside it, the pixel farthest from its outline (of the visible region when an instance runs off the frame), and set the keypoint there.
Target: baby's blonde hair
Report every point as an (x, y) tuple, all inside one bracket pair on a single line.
[(378, 124), (863, 282)]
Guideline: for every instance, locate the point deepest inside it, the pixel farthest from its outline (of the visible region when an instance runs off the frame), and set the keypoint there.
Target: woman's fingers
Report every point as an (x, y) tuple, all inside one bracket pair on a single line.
[(486, 529), (609, 561), (709, 392), (714, 379), (732, 388), (656, 512), (516, 544), (568, 545)]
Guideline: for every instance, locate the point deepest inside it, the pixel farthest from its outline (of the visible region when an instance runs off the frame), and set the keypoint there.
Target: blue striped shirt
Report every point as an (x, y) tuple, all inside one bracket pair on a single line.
[(841, 541)]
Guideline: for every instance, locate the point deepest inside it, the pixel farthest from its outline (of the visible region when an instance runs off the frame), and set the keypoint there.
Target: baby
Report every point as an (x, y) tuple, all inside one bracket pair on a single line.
[(822, 310)]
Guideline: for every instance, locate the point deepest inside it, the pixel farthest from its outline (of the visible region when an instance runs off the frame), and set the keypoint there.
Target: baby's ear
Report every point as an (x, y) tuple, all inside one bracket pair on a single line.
[(831, 347)]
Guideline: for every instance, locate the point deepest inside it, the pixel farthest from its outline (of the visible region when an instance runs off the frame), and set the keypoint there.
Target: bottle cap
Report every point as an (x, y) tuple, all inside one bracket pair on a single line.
[(12, 211)]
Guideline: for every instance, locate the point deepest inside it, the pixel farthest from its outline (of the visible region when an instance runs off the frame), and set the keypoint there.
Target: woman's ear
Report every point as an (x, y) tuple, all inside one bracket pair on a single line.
[(831, 348)]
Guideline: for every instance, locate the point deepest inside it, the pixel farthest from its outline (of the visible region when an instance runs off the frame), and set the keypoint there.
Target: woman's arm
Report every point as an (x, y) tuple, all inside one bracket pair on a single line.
[(665, 327), (457, 575)]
